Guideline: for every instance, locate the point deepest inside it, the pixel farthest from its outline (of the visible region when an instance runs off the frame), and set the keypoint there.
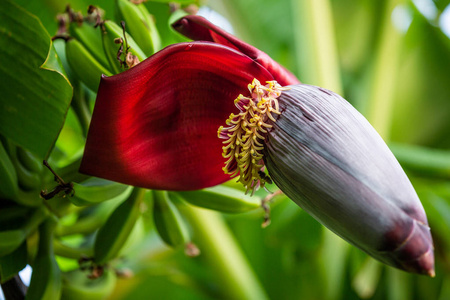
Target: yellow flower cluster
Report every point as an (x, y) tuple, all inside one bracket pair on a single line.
[(247, 131)]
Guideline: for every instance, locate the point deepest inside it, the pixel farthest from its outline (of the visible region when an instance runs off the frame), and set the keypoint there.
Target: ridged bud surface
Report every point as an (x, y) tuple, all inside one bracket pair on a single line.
[(327, 158)]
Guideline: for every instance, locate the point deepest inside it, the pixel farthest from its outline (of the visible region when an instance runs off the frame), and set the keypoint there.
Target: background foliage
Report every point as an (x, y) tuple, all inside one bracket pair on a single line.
[(389, 58)]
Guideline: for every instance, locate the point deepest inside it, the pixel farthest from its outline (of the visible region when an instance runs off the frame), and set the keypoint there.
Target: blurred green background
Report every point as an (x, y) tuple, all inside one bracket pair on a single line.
[(391, 60)]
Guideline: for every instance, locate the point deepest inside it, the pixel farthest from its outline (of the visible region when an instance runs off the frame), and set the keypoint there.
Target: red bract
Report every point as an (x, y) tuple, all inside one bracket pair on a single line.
[(200, 29), (155, 125)]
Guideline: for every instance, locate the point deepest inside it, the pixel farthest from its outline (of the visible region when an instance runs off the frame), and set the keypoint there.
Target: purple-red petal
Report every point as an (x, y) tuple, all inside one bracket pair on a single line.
[(200, 29), (155, 125)]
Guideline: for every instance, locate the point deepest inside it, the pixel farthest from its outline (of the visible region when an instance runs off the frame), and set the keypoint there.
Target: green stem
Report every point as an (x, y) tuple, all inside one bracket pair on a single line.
[(385, 74), (316, 44), (220, 249)]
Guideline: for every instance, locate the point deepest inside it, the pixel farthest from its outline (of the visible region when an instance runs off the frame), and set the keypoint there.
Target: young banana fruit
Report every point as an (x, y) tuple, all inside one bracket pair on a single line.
[(140, 25), (169, 223), (221, 198), (84, 65), (91, 38), (96, 190), (28, 179), (46, 278), (76, 285), (30, 160), (112, 236)]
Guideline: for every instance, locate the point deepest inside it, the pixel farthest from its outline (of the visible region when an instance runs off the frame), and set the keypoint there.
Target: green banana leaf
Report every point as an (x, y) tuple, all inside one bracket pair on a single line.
[(35, 92)]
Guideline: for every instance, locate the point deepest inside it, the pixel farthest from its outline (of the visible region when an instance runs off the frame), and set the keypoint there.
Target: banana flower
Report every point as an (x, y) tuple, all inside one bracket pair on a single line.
[(157, 126)]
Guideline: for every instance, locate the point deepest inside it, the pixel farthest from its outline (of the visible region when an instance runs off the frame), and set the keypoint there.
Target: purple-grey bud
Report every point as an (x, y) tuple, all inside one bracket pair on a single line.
[(324, 155)]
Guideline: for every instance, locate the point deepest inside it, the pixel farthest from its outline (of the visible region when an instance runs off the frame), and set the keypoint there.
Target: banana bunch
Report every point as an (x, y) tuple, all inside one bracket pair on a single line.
[(91, 39), (96, 47), (91, 217), (97, 200), (21, 174), (84, 50), (21, 213)]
